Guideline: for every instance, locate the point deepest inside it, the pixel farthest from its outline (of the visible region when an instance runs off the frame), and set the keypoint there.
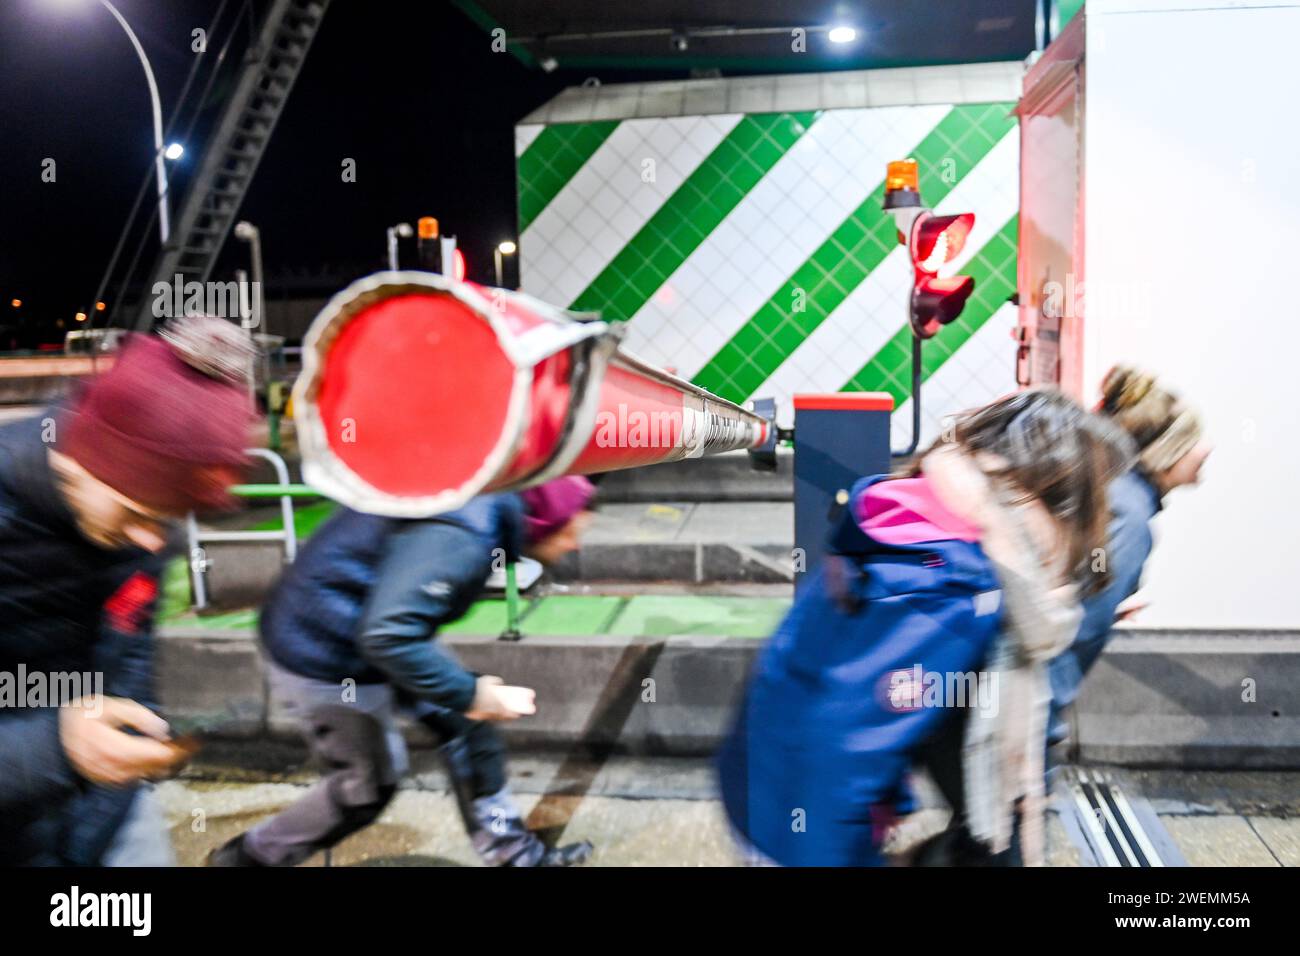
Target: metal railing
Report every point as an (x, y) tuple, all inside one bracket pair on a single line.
[(286, 491), (288, 536)]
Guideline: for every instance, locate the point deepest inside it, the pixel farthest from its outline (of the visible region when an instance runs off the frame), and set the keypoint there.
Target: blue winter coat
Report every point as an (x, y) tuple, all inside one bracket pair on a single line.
[(1134, 502), (820, 747), (366, 595)]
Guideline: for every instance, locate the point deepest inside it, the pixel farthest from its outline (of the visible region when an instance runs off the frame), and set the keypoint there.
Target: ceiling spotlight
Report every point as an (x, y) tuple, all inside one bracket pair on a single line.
[(842, 34)]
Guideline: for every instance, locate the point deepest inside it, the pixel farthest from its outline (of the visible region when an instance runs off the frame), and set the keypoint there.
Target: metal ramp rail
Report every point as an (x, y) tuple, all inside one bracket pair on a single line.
[(1111, 827)]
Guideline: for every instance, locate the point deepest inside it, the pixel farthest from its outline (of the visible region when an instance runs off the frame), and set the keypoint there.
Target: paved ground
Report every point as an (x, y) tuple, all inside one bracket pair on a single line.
[(10, 413), (755, 523), (662, 812)]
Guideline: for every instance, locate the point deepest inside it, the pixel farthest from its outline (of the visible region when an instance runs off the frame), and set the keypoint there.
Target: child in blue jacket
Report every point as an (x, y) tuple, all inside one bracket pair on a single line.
[(349, 635), (946, 591)]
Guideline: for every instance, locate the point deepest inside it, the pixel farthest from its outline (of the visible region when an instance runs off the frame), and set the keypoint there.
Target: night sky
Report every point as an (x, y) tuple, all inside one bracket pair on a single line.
[(411, 90), (418, 99)]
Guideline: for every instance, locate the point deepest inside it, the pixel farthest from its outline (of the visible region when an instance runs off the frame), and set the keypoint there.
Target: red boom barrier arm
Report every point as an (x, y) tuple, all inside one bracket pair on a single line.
[(418, 393)]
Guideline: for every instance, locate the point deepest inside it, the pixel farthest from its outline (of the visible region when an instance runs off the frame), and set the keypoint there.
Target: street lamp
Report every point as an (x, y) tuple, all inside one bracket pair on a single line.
[(402, 230), (506, 248), (160, 169), (245, 231)]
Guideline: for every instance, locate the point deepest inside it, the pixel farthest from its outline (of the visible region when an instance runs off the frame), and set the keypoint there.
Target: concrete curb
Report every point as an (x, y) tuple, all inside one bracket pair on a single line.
[(670, 697), (1196, 700), (1155, 698), (695, 562)]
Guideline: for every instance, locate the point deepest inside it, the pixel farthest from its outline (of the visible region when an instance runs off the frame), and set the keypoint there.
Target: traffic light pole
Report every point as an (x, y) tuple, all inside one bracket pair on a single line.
[(930, 241), (916, 396)]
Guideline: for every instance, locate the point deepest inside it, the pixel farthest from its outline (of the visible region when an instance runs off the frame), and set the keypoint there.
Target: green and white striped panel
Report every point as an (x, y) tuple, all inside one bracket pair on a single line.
[(750, 252)]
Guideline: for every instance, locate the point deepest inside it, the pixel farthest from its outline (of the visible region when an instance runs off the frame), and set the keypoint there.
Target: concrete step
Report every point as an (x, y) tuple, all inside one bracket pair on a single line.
[(678, 541), (726, 477), (687, 542)]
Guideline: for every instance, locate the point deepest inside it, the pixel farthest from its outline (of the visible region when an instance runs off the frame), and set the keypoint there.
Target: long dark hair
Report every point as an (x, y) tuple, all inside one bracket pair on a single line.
[(1054, 452)]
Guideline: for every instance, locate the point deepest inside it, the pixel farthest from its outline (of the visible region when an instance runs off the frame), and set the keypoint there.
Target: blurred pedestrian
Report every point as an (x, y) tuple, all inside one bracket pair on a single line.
[(348, 636), (945, 591), (88, 494), (1171, 451)]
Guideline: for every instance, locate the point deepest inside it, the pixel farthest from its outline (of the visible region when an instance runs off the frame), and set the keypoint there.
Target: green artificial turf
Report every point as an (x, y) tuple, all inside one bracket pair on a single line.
[(643, 615)]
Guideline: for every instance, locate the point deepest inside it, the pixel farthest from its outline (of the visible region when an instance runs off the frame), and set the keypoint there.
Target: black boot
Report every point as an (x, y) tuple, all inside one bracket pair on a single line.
[(495, 827), (231, 853), (570, 854), (955, 846)]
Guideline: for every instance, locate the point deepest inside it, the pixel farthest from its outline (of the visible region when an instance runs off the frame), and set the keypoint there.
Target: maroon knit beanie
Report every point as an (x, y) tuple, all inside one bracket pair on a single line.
[(550, 506), (160, 431)]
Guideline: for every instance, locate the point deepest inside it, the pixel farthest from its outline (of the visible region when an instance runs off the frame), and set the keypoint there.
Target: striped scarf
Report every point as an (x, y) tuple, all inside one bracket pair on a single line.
[(1002, 754)]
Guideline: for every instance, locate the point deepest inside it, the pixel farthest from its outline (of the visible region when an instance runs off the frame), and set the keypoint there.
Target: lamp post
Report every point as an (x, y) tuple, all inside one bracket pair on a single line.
[(245, 231), (402, 230), (159, 160), (506, 248)]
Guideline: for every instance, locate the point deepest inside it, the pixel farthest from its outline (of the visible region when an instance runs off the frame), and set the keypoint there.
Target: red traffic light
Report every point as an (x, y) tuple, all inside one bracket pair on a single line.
[(938, 239), (936, 302)]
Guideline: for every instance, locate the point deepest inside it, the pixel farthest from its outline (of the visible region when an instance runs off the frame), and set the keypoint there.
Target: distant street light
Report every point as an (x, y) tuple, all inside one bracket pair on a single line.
[(245, 231), (402, 230), (174, 151), (506, 248), (842, 34)]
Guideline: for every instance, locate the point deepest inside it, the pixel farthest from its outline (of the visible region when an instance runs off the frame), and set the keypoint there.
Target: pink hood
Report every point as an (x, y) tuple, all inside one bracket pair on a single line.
[(907, 511)]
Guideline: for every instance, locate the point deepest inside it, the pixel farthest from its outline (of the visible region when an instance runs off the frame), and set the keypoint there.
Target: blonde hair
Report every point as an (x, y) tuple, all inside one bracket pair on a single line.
[(1161, 425)]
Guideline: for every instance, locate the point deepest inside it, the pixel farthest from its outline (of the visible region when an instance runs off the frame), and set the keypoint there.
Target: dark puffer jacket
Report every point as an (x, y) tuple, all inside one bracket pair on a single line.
[(59, 595), (367, 593)]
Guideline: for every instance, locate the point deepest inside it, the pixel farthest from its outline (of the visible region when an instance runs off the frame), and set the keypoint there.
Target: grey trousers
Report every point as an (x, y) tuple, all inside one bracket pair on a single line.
[(353, 733)]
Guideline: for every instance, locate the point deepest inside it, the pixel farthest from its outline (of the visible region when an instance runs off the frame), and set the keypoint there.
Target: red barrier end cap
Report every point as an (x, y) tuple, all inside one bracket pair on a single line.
[(413, 394), (845, 401)]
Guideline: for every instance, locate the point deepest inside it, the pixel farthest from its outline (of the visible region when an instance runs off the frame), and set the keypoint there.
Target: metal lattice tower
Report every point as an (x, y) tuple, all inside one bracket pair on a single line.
[(240, 137)]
